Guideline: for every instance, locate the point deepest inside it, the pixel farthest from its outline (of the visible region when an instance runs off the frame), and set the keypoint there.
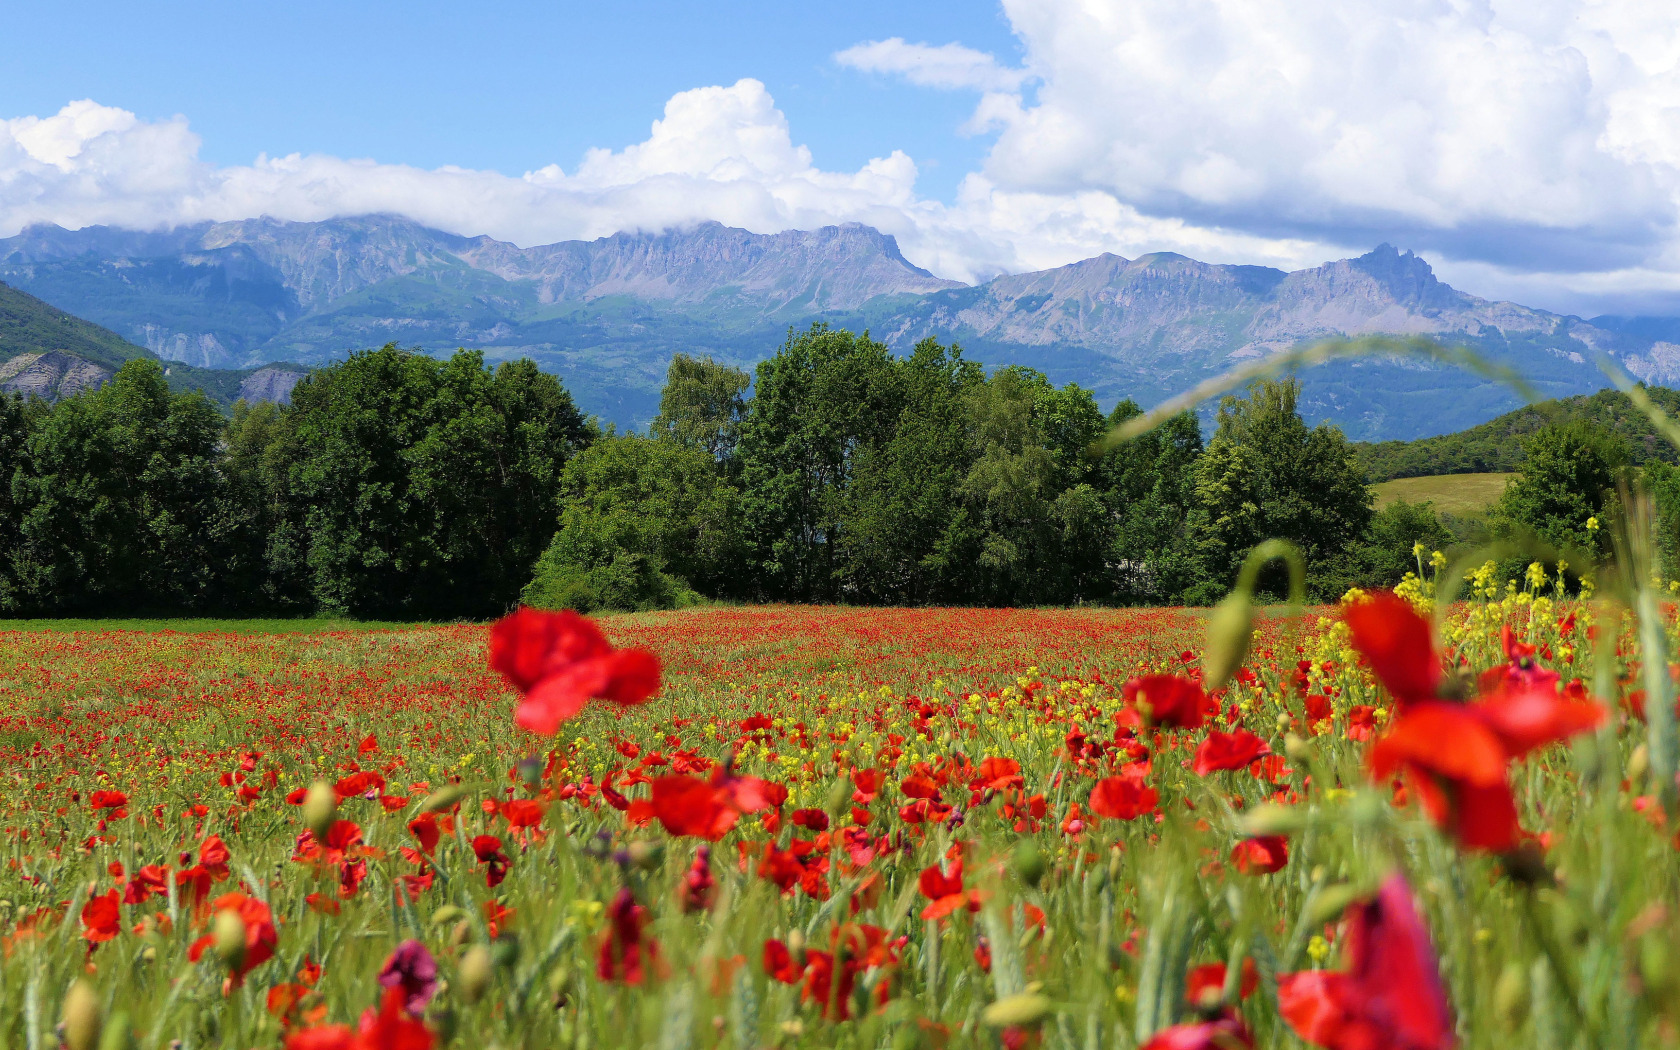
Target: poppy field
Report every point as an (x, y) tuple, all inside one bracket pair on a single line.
[(1363, 827)]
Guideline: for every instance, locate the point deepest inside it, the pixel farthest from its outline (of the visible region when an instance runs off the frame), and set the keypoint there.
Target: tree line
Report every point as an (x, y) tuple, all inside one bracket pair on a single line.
[(398, 485)]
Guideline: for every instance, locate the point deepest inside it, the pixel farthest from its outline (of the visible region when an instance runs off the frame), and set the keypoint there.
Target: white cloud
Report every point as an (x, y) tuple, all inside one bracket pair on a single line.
[(723, 153), (1488, 129), (948, 66)]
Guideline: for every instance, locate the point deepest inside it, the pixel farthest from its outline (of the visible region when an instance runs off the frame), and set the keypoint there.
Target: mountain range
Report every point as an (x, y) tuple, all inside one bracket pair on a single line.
[(607, 314)]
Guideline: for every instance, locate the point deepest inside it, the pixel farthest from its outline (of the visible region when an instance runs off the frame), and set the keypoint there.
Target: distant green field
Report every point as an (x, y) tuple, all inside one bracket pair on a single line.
[(201, 625), (1449, 493)]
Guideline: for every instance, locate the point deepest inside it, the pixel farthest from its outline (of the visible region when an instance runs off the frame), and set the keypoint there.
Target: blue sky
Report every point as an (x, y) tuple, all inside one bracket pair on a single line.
[(505, 86), (1529, 149)]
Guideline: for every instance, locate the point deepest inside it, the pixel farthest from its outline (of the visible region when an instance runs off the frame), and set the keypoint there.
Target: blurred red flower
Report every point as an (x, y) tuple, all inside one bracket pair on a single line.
[(1123, 798), (1220, 751), (1389, 998), (1168, 700), (561, 660)]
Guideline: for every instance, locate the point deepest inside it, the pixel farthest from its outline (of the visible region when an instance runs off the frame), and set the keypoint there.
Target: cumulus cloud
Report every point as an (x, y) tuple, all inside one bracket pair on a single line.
[(723, 153), (950, 66), (1515, 132)]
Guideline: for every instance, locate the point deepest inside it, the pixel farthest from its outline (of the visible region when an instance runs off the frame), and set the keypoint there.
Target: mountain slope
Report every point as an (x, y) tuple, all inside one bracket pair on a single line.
[(47, 353), (1497, 445), (607, 314)]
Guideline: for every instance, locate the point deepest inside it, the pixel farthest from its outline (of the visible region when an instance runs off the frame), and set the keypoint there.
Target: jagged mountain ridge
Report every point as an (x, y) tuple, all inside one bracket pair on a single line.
[(608, 313)]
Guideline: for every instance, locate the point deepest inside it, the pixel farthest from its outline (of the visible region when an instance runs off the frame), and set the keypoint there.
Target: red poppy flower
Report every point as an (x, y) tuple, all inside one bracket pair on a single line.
[(1220, 751), (261, 938), (561, 660), (388, 1028), (114, 800), (101, 919), (1123, 798), (1261, 855), (625, 950), (488, 850), (1458, 767), (687, 805), (1223, 1033), (1390, 997), (1204, 984), (944, 891), (1168, 700), (1398, 644)]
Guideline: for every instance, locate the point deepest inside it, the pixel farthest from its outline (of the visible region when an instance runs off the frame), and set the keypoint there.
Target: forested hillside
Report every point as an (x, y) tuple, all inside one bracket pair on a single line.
[(1497, 445)]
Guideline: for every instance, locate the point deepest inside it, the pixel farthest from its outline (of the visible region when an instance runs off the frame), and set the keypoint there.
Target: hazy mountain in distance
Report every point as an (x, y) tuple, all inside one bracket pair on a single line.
[(607, 314)]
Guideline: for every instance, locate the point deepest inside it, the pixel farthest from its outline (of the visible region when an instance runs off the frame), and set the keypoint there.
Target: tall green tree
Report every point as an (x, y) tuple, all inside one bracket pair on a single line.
[(116, 510), (1149, 485), (825, 396), (1266, 474), (642, 522), (903, 487), (427, 486), (15, 423), (702, 405), (1569, 475)]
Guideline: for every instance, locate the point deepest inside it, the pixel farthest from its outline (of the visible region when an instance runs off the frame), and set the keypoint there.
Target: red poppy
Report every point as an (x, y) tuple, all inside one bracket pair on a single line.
[(101, 919), (488, 850), (625, 950), (1227, 1032), (388, 1028), (1168, 700), (1261, 855), (687, 805), (1398, 644), (261, 938), (1122, 798), (1458, 767), (944, 891), (1206, 983), (114, 800), (561, 660), (1220, 751), (1389, 998)]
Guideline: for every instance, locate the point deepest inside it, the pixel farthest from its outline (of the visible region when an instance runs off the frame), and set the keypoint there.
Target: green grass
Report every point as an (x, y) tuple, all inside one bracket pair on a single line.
[(200, 625), (1449, 493)]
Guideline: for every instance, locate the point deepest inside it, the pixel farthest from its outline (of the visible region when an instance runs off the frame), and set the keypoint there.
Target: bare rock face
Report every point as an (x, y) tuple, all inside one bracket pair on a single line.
[(51, 375), (269, 384)]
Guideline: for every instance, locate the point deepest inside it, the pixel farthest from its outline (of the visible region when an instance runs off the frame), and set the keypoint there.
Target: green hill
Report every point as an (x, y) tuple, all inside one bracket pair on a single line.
[(45, 352), (1496, 447), (30, 326)]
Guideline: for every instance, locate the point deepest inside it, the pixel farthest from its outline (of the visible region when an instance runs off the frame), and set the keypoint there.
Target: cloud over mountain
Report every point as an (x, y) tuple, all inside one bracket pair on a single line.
[(1530, 149)]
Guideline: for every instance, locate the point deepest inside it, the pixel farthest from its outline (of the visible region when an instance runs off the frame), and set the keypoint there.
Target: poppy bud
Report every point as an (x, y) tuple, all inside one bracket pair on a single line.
[(647, 854), (1230, 627), (320, 806), (1639, 763), (118, 1033), (1114, 864), (1298, 749), (1510, 997), (443, 798), (1029, 862), (476, 969), (462, 933), (82, 1017), (227, 933), (796, 947), (447, 914), (1023, 1009)]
